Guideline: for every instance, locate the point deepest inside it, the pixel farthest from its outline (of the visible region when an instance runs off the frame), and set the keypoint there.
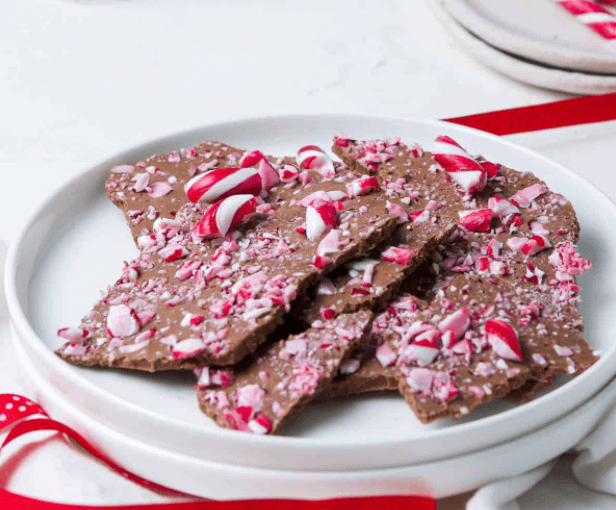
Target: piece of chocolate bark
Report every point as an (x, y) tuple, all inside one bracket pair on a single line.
[(510, 242), (362, 373), (214, 280), (473, 343), (153, 188), (428, 210), (261, 393)]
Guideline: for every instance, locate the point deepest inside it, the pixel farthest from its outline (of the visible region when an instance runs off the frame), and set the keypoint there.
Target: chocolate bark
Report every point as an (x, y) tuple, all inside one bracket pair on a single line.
[(547, 214), (162, 178), (475, 369), (427, 207), (185, 302), (261, 393), (362, 373)]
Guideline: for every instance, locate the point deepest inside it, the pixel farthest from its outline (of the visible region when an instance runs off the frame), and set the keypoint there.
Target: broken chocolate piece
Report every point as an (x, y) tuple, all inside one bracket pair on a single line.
[(362, 373), (450, 359), (261, 393), (491, 255), (427, 207), (187, 301)]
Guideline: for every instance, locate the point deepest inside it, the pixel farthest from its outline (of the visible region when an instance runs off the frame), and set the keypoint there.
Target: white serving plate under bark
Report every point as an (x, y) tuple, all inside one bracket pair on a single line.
[(74, 245)]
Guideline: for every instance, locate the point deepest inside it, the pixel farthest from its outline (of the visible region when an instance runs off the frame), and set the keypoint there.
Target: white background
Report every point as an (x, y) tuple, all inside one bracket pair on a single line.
[(81, 80)]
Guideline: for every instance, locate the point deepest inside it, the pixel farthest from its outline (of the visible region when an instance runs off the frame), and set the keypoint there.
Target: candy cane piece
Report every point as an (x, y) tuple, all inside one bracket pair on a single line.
[(460, 166), (593, 16), (224, 215), (311, 157), (250, 158), (222, 183), (321, 216)]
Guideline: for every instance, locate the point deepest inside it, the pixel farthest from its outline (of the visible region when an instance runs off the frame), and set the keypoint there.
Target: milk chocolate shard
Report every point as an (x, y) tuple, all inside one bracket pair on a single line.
[(473, 344), (260, 394), (427, 206), (153, 188), (187, 300), (506, 252), (361, 373)]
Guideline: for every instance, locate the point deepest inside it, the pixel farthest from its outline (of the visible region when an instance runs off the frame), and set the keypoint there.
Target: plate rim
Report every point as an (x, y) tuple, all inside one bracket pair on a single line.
[(396, 472), (19, 315)]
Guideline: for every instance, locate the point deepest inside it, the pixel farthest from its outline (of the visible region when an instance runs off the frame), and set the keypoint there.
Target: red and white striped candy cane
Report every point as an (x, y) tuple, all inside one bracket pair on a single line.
[(224, 215), (222, 183), (593, 16), (460, 166), (311, 157)]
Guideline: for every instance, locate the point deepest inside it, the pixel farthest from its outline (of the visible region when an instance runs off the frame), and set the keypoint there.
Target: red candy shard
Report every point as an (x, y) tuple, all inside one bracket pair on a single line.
[(224, 215), (398, 255), (250, 158), (535, 244), (311, 157), (525, 197), (321, 216), (476, 221), (363, 186), (422, 352), (503, 339), (269, 175), (490, 168), (460, 166), (221, 183), (457, 322)]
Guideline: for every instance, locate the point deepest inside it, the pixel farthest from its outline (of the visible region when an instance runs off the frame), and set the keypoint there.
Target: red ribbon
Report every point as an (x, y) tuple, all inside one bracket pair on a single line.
[(14, 408), (570, 112)]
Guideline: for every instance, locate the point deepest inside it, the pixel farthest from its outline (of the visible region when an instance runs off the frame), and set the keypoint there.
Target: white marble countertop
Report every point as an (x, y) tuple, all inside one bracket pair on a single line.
[(84, 79)]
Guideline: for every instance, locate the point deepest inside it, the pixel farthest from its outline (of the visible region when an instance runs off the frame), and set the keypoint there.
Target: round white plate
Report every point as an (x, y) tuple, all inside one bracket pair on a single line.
[(519, 69), (192, 474), (540, 30), (75, 243)]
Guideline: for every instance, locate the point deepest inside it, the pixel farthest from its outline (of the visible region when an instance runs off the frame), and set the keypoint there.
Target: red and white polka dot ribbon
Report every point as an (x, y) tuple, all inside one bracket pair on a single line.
[(592, 15), (14, 409)]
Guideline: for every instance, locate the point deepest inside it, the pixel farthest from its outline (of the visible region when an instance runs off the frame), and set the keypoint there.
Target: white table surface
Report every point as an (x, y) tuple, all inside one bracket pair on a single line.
[(83, 79)]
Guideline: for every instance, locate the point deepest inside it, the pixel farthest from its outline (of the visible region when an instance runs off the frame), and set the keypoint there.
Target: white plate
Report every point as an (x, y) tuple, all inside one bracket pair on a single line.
[(539, 30), (74, 244), (440, 479), (519, 69)]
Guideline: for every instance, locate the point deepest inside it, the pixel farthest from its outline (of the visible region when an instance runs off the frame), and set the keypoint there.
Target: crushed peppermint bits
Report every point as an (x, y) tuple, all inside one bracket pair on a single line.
[(232, 253), (283, 377), (445, 276)]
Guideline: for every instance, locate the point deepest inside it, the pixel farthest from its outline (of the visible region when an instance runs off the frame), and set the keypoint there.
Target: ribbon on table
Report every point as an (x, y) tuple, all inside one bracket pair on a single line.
[(568, 112), (14, 409)]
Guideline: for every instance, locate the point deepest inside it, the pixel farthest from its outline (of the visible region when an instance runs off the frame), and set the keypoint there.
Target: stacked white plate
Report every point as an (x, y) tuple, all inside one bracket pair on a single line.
[(536, 42), (150, 423)]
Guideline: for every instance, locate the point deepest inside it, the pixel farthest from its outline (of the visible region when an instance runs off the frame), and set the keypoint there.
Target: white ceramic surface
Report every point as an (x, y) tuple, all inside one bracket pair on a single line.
[(539, 30), (74, 244), (574, 82), (190, 473)]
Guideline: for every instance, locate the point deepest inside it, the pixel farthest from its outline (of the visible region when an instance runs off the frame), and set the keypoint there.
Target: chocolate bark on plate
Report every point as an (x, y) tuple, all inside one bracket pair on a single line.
[(473, 344), (511, 240), (261, 393), (427, 206), (193, 297), (154, 187), (362, 373)]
